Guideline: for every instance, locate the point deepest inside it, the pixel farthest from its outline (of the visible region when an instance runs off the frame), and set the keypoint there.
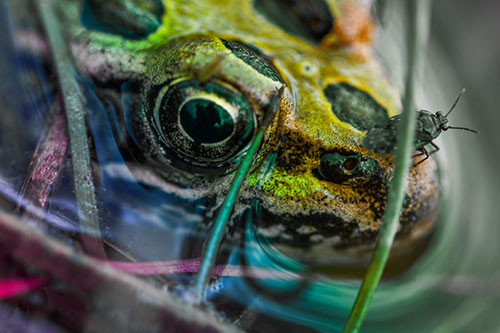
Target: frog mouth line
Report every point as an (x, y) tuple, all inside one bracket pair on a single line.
[(304, 231), (307, 231), (335, 247)]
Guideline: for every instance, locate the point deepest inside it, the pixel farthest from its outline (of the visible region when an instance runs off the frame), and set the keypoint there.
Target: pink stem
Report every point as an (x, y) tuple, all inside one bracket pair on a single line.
[(47, 160), (14, 287), (192, 266)]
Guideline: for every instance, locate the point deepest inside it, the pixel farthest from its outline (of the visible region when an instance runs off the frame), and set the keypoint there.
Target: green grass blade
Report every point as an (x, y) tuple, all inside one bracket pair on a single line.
[(77, 130), (217, 233), (418, 16)]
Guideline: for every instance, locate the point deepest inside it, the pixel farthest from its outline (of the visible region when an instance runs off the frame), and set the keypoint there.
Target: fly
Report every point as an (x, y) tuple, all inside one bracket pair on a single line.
[(382, 137)]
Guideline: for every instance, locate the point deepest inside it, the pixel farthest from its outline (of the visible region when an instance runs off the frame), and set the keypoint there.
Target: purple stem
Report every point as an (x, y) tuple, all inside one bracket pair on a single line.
[(17, 286), (192, 266), (47, 160)]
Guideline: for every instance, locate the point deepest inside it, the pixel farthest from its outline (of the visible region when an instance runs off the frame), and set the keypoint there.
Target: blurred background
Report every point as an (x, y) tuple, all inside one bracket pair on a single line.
[(469, 33), (464, 52), (456, 285)]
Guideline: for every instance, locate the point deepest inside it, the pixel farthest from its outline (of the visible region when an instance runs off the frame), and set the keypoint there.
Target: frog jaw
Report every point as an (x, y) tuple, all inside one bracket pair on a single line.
[(333, 227), (352, 210)]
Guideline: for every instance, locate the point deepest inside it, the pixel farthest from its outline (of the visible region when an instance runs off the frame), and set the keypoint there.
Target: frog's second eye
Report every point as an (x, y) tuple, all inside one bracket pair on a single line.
[(204, 124), (339, 166)]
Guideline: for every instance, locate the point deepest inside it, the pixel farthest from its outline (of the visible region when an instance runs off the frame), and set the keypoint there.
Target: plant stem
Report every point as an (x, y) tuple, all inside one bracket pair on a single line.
[(215, 239), (418, 15), (77, 130)]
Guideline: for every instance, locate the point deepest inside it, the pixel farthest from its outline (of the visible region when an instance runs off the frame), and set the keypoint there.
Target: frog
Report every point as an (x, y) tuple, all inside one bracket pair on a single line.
[(195, 79)]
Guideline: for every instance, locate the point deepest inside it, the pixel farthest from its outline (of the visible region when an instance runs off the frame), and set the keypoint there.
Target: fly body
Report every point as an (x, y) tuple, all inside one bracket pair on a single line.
[(382, 138)]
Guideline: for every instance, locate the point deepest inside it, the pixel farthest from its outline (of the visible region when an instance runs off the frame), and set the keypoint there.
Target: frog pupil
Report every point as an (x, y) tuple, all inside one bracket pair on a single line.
[(205, 121)]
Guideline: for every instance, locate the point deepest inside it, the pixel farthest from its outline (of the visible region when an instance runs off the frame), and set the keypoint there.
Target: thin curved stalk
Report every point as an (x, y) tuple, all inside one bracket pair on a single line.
[(217, 233), (418, 16), (77, 130)]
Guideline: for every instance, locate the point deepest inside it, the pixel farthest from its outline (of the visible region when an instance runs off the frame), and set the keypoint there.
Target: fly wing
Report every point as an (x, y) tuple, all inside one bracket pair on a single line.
[(423, 138), (380, 140)]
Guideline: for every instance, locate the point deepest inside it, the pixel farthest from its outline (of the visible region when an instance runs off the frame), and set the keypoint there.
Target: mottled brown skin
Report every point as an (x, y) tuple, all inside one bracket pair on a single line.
[(346, 217)]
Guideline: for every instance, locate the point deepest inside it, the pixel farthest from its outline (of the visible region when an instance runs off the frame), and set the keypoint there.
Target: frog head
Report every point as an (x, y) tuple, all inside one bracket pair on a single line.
[(195, 90)]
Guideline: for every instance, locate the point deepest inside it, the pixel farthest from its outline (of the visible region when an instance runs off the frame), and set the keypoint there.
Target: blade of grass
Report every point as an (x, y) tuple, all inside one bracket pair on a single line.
[(84, 187), (215, 239), (418, 16)]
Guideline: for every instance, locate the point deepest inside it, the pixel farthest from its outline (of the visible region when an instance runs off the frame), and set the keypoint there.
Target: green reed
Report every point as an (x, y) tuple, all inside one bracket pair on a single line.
[(224, 214), (77, 130), (418, 22)]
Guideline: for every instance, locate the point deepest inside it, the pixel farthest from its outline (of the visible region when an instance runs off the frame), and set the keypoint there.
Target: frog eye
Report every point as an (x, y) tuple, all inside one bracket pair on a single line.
[(204, 124), (339, 167), (307, 19)]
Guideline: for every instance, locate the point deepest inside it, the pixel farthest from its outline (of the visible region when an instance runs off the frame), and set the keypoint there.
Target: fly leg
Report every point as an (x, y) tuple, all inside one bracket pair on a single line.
[(421, 151), (427, 154), (436, 148)]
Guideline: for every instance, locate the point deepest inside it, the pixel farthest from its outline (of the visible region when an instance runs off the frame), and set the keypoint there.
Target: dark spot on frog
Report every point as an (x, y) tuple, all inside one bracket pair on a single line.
[(124, 18), (307, 19), (354, 106)]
